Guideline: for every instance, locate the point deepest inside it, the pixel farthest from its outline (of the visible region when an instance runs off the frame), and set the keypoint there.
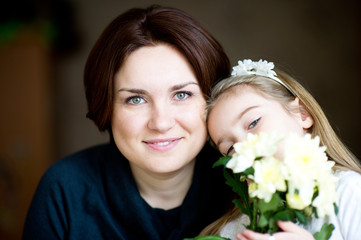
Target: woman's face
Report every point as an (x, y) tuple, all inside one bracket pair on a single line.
[(243, 110), (158, 119)]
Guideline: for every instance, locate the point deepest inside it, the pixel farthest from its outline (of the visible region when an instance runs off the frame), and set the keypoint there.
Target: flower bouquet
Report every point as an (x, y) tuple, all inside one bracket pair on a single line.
[(281, 178)]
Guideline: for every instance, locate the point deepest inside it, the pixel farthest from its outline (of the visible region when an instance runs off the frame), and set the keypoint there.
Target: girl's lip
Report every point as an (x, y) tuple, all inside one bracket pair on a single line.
[(163, 145)]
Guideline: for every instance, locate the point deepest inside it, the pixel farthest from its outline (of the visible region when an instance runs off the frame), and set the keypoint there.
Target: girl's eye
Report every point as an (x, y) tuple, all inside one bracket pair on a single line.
[(182, 95), (254, 123), (230, 151), (135, 100)]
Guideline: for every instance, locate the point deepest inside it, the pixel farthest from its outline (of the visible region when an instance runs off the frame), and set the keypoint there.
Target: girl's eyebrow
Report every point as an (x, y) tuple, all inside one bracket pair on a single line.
[(141, 91), (244, 112)]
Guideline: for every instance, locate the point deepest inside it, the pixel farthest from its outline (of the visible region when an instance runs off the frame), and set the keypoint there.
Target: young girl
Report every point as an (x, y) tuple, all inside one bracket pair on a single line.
[(257, 99)]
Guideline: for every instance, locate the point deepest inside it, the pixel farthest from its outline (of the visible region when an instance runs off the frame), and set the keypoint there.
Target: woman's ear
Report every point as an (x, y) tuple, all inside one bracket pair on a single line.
[(303, 116)]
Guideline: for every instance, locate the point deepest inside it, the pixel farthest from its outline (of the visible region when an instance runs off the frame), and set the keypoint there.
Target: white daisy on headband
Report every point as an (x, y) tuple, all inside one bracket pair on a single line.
[(249, 67), (260, 68)]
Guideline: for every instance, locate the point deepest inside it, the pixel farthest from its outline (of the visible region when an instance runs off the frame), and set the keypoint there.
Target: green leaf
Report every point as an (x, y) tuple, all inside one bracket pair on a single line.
[(207, 238), (335, 207), (325, 232), (302, 218), (241, 188), (285, 215), (222, 161), (272, 205), (244, 207), (263, 221), (248, 171), (273, 226)]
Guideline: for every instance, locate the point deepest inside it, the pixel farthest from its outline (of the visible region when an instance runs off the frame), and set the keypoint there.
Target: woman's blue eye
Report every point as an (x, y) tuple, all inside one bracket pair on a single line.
[(135, 100), (182, 95), (254, 123)]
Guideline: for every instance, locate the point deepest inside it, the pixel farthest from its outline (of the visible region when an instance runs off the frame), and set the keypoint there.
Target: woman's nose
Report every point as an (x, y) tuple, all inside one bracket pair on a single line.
[(161, 117)]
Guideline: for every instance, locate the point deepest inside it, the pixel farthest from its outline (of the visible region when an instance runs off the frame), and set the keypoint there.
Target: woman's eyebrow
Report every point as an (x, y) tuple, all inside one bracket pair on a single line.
[(142, 91), (180, 86), (132, 90)]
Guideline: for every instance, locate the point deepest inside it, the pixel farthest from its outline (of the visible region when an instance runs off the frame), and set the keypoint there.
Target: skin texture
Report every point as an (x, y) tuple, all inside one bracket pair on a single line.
[(243, 110), (158, 122)]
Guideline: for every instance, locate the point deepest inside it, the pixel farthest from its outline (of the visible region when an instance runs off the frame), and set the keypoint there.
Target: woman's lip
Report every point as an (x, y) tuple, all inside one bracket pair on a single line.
[(163, 145)]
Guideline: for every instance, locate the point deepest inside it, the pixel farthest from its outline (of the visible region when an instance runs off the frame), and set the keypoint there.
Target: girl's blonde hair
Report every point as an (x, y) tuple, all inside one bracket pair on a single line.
[(269, 88)]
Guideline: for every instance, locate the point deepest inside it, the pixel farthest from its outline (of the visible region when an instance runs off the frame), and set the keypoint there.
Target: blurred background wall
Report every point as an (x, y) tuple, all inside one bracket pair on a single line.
[(44, 46)]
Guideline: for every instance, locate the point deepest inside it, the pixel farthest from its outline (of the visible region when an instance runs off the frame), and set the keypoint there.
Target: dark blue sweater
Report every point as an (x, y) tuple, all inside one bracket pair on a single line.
[(92, 195)]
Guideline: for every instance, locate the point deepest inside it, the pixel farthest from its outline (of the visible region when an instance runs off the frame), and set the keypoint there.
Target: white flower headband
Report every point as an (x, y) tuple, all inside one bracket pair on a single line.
[(260, 68)]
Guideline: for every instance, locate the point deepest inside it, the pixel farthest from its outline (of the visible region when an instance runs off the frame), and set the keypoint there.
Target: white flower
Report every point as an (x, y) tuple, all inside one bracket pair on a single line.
[(309, 170), (300, 193), (249, 67), (243, 67), (269, 177), (302, 177), (262, 145), (240, 162), (264, 68), (327, 195), (267, 144), (304, 157)]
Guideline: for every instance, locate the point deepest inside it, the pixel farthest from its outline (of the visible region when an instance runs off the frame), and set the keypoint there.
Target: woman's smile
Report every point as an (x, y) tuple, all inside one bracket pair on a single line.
[(163, 145)]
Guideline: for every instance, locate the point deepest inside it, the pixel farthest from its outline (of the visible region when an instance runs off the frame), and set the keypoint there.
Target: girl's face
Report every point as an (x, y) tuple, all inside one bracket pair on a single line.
[(243, 110), (158, 119)]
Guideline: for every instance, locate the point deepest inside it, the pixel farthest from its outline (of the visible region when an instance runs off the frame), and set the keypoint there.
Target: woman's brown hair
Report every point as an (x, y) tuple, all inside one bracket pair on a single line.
[(137, 28)]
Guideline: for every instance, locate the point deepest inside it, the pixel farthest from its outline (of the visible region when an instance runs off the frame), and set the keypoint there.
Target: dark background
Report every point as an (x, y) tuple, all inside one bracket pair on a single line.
[(44, 46)]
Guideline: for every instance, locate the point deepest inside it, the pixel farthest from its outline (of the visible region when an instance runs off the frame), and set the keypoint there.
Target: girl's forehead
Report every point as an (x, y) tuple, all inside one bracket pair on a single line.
[(236, 92), (229, 102)]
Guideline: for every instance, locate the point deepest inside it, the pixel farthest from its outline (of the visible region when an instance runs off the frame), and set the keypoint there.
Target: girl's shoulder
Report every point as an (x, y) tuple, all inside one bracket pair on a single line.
[(348, 177), (349, 204), (235, 226), (349, 190)]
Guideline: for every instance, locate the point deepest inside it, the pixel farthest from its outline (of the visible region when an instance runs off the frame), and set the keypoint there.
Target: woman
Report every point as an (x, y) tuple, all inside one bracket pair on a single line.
[(257, 99), (146, 81)]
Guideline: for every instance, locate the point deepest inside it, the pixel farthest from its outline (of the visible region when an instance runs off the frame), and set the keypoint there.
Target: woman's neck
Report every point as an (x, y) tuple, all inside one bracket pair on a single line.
[(165, 191)]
